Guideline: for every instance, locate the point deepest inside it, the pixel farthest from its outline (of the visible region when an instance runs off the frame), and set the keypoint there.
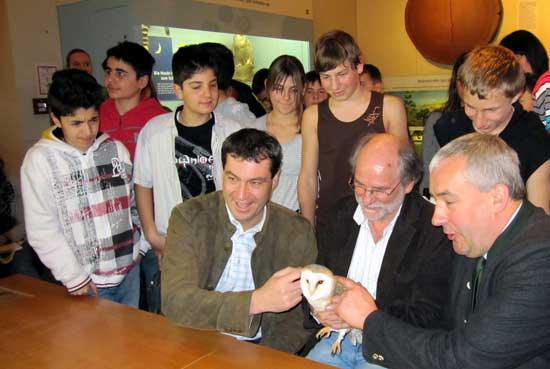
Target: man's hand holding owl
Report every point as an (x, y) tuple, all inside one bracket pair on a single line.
[(329, 318), (355, 304)]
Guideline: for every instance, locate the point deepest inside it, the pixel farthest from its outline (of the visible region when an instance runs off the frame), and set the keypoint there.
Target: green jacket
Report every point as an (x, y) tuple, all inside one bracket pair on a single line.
[(198, 246)]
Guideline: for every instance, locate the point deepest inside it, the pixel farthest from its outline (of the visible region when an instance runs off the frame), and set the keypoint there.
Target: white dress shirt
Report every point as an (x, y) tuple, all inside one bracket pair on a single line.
[(237, 275), (368, 255)]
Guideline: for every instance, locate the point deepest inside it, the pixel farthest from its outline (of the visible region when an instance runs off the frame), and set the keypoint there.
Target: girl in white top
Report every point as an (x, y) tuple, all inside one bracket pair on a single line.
[(285, 84)]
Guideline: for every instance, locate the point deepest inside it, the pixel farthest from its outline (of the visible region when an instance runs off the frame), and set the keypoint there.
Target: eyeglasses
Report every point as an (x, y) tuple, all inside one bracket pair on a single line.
[(378, 192)]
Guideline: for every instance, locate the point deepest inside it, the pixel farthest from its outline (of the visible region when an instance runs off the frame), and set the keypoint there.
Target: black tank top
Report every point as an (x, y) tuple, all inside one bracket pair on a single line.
[(337, 140)]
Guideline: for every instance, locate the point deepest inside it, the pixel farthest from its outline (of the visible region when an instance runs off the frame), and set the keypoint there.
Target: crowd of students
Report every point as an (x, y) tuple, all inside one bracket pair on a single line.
[(106, 187)]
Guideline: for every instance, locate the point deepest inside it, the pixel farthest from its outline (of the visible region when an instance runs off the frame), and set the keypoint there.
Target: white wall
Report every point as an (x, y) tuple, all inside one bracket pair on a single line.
[(30, 36)]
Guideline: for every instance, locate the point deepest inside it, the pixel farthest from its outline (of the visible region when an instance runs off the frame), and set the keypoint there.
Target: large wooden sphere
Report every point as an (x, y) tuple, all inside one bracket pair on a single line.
[(441, 30)]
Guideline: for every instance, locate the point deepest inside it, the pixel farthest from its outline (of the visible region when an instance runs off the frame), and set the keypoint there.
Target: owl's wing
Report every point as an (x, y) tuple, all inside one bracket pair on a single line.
[(356, 336), (339, 289)]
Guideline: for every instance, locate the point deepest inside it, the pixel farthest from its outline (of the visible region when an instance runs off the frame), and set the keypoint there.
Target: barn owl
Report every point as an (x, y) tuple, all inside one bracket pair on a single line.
[(318, 286)]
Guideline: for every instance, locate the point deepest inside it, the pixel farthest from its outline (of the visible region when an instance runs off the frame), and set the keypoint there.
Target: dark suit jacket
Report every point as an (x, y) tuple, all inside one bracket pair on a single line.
[(508, 328), (413, 281)]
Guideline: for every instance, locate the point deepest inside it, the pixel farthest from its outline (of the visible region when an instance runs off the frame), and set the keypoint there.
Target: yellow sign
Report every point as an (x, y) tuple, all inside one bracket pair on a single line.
[(295, 8)]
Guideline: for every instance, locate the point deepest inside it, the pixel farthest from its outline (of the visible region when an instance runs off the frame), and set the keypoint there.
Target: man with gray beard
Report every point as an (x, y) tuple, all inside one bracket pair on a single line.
[(382, 237)]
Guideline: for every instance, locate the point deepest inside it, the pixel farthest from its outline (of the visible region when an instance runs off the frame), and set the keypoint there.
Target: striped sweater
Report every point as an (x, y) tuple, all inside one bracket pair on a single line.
[(541, 99)]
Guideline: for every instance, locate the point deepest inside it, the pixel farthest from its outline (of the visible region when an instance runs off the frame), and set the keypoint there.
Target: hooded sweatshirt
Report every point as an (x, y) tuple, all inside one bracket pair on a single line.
[(79, 210)]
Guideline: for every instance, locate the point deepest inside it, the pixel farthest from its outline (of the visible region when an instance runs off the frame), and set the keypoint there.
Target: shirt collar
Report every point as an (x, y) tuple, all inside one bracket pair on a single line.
[(257, 228), (512, 218), (360, 219)]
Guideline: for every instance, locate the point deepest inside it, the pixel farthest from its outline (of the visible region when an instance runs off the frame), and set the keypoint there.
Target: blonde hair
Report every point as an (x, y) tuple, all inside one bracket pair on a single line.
[(492, 67)]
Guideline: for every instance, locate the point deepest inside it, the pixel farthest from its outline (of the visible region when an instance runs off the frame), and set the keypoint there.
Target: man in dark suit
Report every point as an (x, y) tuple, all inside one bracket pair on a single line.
[(382, 238), (500, 288)]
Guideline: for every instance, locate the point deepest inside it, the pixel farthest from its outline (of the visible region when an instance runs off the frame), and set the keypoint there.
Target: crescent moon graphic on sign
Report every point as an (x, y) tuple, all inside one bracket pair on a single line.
[(159, 49)]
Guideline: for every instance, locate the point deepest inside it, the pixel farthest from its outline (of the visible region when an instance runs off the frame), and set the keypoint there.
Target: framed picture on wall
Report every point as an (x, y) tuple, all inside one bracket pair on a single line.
[(45, 74)]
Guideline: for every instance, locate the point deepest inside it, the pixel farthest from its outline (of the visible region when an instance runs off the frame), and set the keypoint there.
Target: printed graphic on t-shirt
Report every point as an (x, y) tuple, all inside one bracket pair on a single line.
[(372, 117), (194, 165), (87, 198)]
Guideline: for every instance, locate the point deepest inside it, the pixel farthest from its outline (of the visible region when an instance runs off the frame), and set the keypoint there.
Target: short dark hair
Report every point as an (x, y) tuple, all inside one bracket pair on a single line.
[(525, 43), (189, 60), (223, 61), (252, 144), (334, 48), (312, 77), (134, 55), (258, 81), (373, 72), (74, 51), (72, 89)]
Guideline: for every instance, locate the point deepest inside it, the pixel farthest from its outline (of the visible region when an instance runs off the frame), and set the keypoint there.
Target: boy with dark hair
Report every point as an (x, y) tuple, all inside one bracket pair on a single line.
[(371, 78), (227, 105), (78, 197), (128, 68), (314, 93), (331, 129), (233, 257), (178, 154)]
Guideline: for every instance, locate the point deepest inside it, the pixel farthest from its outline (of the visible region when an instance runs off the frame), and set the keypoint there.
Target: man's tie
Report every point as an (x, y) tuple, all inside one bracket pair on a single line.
[(476, 279)]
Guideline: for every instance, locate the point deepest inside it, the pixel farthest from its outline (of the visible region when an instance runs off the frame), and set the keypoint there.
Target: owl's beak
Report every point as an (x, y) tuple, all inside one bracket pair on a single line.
[(312, 289)]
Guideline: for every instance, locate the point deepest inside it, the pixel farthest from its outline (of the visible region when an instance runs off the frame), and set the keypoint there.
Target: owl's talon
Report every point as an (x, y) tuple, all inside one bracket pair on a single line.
[(324, 332), (336, 348)]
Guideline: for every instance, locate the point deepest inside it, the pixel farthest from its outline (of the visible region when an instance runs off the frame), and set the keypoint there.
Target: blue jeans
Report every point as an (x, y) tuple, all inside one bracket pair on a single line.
[(351, 357), (127, 292), (151, 277)]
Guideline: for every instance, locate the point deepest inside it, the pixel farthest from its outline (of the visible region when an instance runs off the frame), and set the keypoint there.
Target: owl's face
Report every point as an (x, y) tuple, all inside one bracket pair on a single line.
[(317, 283)]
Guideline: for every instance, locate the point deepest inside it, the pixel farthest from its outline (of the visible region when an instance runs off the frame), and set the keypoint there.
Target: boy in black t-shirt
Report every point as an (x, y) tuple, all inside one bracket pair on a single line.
[(178, 155)]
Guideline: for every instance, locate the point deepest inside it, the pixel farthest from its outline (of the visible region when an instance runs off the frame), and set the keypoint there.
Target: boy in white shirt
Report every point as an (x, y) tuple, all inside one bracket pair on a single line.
[(78, 197), (178, 155)]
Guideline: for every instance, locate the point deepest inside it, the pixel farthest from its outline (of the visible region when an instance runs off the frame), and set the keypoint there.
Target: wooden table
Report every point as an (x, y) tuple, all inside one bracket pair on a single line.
[(43, 327)]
